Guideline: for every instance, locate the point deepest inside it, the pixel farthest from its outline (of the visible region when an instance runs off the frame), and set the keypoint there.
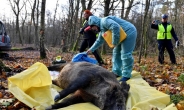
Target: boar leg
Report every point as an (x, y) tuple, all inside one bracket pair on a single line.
[(74, 99), (81, 82)]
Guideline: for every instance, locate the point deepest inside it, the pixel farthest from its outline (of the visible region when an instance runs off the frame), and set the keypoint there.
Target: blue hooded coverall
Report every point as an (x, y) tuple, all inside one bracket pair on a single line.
[(122, 58)]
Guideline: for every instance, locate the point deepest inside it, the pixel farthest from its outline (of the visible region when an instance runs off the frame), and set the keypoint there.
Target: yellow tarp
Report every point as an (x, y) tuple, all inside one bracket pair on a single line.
[(33, 87), (144, 97)]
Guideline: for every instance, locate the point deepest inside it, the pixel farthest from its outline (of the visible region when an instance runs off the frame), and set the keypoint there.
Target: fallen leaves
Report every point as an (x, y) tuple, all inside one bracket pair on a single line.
[(163, 77), (1, 95)]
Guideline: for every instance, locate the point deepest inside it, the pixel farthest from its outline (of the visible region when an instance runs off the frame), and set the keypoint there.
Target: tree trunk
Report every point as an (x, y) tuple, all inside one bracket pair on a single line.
[(34, 19), (122, 8), (18, 30), (128, 9), (42, 35), (54, 36), (16, 11), (36, 25), (144, 31), (75, 26)]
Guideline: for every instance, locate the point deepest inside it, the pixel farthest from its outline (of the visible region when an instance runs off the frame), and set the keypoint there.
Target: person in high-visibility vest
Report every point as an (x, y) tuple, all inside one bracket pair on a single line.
[(164, 36), (89, 37), (122, 58)]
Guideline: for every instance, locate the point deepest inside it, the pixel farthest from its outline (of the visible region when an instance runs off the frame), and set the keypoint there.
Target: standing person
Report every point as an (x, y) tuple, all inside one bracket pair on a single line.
[(122, 57), (164, 36), (89, 37)]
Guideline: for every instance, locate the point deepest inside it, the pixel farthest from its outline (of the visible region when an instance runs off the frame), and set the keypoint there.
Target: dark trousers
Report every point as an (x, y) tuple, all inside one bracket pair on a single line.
[(86, 43), (166, 44)]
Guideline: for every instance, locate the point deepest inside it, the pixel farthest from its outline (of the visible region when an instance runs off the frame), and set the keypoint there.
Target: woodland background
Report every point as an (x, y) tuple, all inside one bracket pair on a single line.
[(61, 26), (56, 32)]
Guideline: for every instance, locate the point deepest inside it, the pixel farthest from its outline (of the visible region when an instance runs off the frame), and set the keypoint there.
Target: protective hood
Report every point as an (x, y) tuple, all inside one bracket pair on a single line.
[(93, 20)]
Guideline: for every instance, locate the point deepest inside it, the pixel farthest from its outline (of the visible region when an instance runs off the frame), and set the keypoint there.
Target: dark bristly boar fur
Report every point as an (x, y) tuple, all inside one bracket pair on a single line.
[(90, 83)]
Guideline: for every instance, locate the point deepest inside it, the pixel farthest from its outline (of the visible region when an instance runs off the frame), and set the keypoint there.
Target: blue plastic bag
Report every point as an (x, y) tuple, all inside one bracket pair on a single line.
[(83, 57)]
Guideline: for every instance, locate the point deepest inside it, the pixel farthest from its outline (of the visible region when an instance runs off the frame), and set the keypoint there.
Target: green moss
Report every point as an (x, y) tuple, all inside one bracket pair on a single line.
[(181, 79), (176, 98)]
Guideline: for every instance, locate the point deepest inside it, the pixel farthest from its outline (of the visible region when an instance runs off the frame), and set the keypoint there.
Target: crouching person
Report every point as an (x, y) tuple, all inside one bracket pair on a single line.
[(88, 82)]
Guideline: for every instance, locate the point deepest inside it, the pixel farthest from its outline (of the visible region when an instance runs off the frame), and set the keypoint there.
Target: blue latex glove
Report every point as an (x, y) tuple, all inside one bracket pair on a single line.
[(57, 98)]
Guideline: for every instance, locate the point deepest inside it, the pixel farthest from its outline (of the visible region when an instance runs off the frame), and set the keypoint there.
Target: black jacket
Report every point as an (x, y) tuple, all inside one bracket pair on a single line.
[(87, 34)]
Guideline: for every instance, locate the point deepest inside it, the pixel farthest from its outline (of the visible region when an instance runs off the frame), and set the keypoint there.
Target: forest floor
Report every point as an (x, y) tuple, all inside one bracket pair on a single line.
[(166, 78)]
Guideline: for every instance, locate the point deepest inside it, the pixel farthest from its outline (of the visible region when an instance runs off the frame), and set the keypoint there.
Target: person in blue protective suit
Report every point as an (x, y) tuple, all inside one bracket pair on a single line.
[(122, 57), (164, 36)]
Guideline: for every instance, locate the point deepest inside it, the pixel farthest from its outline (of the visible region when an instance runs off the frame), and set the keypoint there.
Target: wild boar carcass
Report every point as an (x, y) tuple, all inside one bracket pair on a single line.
[(89, 83)]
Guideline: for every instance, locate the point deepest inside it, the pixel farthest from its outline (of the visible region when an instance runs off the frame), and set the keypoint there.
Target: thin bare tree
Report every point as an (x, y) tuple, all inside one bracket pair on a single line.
[(16, 10), (23, 22), (42, 30), (34, 20), (54, 35), (143, 46)]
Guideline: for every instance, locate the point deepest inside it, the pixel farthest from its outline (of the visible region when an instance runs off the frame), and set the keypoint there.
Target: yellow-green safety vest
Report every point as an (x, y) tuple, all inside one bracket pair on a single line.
[(162, 33), (84, 22)]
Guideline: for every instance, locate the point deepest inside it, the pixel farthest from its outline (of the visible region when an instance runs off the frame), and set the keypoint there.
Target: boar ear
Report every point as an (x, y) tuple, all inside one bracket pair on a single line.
[(55, 82)]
